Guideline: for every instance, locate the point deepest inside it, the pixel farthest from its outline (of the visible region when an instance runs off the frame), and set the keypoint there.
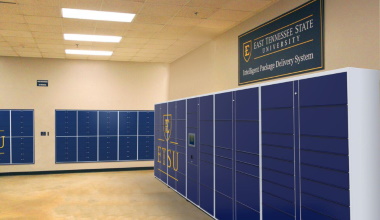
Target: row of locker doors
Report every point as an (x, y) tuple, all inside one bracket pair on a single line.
[(273, 152), (16, 137)]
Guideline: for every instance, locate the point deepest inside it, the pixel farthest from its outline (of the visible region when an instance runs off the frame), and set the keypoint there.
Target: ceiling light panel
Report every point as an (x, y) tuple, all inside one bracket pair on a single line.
[(97, 15), (93, 38), (89, 52)]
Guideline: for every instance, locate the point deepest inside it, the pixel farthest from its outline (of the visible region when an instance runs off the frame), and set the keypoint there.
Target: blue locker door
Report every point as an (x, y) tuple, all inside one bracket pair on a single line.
[(324, 148), (87, 123), (127, 123), (172, 148), (224, 175), (65, 123), (107, 123), (278, 151), (146, 123), (247, 154), (146, 147), (22, 123), (108, 148), (5, 151), (66, 149), (5, 123), (22, 150), (87, 149), (163, 144), (206, 139), (180, 138), (128, 148), (193, 150), (157, 142)]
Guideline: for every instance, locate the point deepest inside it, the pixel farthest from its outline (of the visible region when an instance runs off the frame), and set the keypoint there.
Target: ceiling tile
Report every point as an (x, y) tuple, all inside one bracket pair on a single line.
[(246, 5), (151, 51), (20, 39), (150, 19), (82, 4), (14, 27), (79, 43), (160, 10), (127, 50), (4, 44), (231, 15), (74, 47), (117, 58), (69, 22), (22, 44), (103, 48), (79, 30), (26, 49), (43, 11), (12, 18), (156, 46), (208, 3), (184, 21), (102, 44), (29, 54), (45, 28), (196, 12), (122, 6), (48, 41), (138, 34), (52, 50), (146, 27), (46, 35), (176, 29), (168, 35), (168, 2), (127, 41), (112, 25), (54, 55), (6, 9), (54, 3), (109, 32), (217, 24), (8, 33), (122, 54), (146, 55), (51, 46), (8, 53), (161, 42), (43, 20)]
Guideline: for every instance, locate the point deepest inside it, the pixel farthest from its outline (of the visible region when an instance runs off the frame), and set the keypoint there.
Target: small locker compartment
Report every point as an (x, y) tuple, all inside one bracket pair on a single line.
[(127, 147), (87, 123), (87, 149), (66, 149), (108, 148), (65, 123), (127, 123), (108, 123), (22, 150)]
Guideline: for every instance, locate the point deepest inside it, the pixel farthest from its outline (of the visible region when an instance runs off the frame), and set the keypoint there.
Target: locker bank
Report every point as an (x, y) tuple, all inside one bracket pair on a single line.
[(189, 109)]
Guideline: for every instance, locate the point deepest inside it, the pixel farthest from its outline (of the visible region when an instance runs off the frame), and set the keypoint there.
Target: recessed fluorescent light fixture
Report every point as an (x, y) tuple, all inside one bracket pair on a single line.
[(97, 15), (89, 52), (95, 38)]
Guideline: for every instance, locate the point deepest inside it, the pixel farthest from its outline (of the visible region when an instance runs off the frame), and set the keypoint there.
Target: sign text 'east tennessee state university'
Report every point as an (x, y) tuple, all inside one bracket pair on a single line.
[(289, 44)]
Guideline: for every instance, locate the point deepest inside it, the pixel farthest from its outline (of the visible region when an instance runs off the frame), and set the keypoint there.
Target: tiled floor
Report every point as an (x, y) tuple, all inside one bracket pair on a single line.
[(105, 195)]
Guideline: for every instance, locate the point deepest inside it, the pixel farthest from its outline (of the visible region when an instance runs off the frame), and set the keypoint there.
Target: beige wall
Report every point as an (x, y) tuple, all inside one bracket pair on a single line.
[(76, 84), (352, 29)]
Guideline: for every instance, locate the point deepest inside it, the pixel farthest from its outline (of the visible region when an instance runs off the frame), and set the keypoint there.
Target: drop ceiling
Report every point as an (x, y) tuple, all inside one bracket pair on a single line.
[(162, 31)]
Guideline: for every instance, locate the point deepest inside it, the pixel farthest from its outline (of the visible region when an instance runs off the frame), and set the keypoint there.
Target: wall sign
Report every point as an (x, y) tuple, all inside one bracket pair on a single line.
[(287, 45), (44, 83)]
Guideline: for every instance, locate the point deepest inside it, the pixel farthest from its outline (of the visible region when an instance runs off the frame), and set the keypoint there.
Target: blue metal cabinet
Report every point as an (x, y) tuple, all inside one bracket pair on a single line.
[(193, 150), (5, 150), (108, 121), (127, 123), (22, 150), (66, 149), (108, 148), (87, 123), (128, 148), (172, 146), (5, 123), (22, 123), (146, 123), (145, 147), (87, 149), (66, 123)]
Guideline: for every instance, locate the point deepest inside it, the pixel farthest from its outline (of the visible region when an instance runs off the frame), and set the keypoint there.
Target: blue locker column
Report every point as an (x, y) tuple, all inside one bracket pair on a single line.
[(247, 154), (127, 135), (157, 141), (22, 136), (180, 139), (278, 149), (172, 148), (146, 138), (5, 146), (224, 156), (87, 136), (108, 129), (193, 150), (66, 140), (161, 147), (324, 148), (206, 152)]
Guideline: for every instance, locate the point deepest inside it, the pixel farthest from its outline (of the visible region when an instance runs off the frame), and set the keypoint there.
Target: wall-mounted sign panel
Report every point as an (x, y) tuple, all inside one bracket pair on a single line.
[(43, 83), (287, 45)]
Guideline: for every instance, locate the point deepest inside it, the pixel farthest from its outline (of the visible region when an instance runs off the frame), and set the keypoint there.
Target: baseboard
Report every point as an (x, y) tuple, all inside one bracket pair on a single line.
[(74, 171)]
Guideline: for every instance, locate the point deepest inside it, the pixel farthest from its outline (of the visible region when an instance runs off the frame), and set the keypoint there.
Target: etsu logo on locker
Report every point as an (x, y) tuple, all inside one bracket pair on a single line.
[(2, 142), (167, 119)]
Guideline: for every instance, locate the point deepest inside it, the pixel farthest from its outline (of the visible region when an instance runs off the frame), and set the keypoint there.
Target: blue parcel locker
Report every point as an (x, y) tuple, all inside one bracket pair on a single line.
[(22, 123), (224, 146), (161, 148), (206, 151), (66, 123), (107, 148), (108, 121), (172, 180), (87, 123), (66, 149), (146, 123), (87, 149), (181, 147), (22, 150), (128, 148), (146, 147), (5, 150), (127, 123), (193, 150)]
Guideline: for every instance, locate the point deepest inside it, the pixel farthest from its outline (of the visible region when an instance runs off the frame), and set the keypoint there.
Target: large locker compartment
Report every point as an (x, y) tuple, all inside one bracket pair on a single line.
[(16, 137), (305, 147), (101, 136)]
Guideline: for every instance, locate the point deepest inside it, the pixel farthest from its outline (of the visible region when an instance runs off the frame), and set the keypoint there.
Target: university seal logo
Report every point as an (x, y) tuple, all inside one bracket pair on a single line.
[(247, 50), (167, 122)]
